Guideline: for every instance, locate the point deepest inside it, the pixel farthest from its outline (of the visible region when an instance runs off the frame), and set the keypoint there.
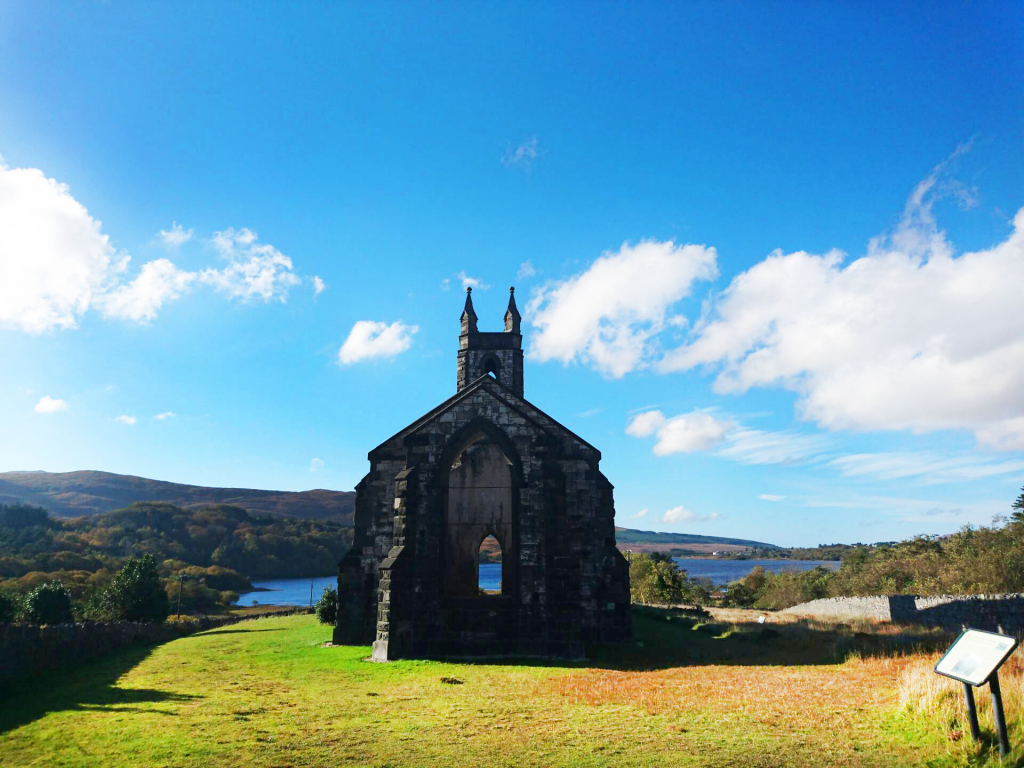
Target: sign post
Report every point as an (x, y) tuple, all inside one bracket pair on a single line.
[(974, 659)]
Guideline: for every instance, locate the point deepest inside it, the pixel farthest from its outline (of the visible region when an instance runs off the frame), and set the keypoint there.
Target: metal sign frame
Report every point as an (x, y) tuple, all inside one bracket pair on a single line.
[(993, 685), (995, 669)]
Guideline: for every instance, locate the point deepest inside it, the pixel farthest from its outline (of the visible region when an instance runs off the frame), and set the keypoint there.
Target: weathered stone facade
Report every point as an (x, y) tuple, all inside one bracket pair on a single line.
[(485, 462)]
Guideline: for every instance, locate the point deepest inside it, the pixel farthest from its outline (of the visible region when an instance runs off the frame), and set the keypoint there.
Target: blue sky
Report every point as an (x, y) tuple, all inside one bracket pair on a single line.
[(766, 254)]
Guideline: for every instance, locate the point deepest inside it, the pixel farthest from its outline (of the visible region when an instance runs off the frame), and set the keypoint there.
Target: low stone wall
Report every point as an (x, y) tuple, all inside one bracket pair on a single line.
[(991, 612), (27, 649)]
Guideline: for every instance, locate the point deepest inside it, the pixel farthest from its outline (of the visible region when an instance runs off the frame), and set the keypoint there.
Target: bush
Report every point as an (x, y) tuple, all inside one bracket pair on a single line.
[(327, 606), (136, 593), (8, 608), (49, 603)]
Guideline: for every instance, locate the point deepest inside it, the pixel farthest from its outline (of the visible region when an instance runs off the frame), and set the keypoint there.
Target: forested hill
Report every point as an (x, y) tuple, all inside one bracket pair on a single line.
[(651, 541), (74, 494), (222, 545)]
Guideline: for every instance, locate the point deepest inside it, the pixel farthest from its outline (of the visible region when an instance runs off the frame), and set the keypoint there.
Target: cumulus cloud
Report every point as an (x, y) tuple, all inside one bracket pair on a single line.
[(319, 286), (608, 315), (126, 419), (176, 236), (56, 263), (641, 513), (523, 155), (315, 465), (165, 415), (49, 404), (526, 270), (254, 270), (369, 339), (469, 282), (696, 431), (908, 337), (54, 259), (142, 298), (770, 497), (681, 514)]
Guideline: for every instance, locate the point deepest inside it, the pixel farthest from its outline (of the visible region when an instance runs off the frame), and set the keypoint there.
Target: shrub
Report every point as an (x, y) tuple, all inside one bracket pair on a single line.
[(136, 593), (327, 606), (49, 603), (8, 608)]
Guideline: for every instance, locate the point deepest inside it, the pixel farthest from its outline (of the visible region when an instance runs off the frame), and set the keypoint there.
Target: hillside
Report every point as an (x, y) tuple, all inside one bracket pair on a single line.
[(73, 494), (651, 541), (87, 492)]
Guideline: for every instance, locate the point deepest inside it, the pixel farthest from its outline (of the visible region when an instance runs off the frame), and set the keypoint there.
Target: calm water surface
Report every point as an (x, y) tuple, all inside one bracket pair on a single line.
[(296, 591)]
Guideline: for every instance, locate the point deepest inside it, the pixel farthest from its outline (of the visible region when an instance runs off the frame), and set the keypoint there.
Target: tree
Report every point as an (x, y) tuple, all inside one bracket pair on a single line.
[(655, 578), (49, 603), (8, 608), (1018, 509), (327, 606), (136, 593)]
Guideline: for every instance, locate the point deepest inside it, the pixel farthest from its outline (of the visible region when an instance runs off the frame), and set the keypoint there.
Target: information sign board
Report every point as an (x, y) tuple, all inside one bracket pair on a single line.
[(975, 655)]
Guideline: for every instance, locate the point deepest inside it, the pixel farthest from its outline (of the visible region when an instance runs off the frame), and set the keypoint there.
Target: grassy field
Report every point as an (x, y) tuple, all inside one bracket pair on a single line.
[(687, 692)]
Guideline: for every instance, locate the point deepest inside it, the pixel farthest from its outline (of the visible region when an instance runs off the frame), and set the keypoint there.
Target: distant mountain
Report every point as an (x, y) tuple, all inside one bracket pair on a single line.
[(73, 494), (651, 541)]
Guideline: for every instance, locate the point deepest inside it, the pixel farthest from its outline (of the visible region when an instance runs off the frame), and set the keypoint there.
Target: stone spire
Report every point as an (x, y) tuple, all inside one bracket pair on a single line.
[(468, 315), (512, 317)]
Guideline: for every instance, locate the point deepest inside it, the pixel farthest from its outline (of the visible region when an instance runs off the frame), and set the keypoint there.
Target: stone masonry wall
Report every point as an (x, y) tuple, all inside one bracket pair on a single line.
[(28, 649), (952, 612)]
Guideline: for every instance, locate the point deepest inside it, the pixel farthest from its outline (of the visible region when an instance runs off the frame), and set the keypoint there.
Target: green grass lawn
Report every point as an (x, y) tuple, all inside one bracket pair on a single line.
[(268, 692)]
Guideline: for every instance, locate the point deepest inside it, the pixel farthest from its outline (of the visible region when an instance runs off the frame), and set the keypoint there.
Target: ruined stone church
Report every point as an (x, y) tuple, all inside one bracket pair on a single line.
[(486, 462)]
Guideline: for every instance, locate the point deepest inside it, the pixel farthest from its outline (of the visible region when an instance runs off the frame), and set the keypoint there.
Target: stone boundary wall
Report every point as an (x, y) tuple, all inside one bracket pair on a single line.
[(28, 649), (952, 612)]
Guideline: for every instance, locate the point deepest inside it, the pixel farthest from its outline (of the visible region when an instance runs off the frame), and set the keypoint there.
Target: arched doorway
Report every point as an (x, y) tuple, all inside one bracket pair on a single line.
[(480, 503)]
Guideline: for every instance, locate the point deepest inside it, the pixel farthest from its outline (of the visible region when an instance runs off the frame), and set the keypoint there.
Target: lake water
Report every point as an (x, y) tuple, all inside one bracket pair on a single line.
[(296, 591), (723, 571)]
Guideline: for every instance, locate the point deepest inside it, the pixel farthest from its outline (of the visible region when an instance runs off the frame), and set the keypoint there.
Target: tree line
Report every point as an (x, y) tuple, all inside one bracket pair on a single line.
[(209, 553), (975, 560)]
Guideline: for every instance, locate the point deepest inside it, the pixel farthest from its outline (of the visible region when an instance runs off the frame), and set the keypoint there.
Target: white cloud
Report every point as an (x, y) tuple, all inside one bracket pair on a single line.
[(645, 424), (126, 419), (176, 236), (165, 415), (641, 513), (469, 282), (56, 264), (590, 412), (526, 270), (254, 270), (918, 510), (752, 446), (699, 430), (48, 404), (522, 155), (681, 514), (319, 286), (53, 257), (608, 315), (908, 337), (369, 339), (315, 465), (927, 466), (770, 497), (696, 431), (446, 284), (139, 300)]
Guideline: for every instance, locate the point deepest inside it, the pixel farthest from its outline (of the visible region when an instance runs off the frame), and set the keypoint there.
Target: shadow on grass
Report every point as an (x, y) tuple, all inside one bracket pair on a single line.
[(89, 687), (668, 638)]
